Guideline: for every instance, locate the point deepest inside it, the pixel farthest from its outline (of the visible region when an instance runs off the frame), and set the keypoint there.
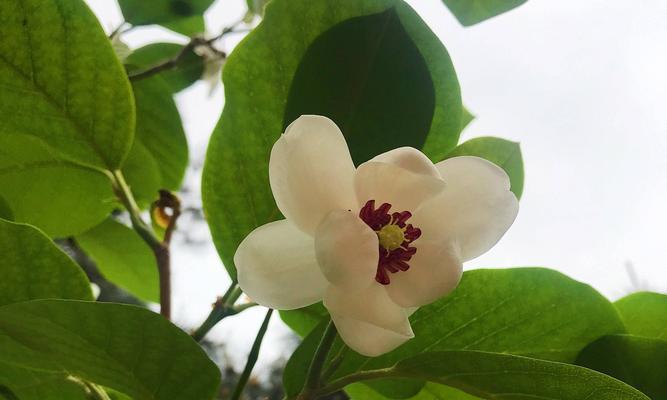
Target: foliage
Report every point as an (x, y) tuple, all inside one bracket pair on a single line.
[(86, 143)]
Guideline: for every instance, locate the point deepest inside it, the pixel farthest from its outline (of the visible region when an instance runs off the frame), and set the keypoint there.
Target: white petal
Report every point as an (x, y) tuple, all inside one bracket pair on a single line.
[(389, 183), (347, 250), (277, 268), (311, 171), (475, 209), (435, 270), (367, 339), (411, 159), (371, 305)]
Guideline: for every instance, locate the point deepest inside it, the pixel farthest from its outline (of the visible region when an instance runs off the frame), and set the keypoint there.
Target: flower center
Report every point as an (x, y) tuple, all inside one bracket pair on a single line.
[(391, 237), (394, 237)]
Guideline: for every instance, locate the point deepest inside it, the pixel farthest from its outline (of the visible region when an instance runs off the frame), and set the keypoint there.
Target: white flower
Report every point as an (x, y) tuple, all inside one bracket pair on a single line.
[(374, 242)]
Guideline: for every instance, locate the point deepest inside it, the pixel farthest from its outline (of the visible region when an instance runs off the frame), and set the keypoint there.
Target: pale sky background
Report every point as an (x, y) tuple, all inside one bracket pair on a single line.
[(582, 85)]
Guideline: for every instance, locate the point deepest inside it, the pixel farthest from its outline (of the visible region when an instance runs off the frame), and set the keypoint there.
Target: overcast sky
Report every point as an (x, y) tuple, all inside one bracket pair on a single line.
[(582, 85)]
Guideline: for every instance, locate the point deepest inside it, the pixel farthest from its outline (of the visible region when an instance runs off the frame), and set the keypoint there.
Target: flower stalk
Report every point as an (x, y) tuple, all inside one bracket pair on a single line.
[(314, 376), (252, 357)]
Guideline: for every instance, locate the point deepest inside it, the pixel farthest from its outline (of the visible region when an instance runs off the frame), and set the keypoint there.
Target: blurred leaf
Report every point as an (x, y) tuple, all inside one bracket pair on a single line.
[(188, 71), (637, 361), (5, 211), (27, 384), (263, 97), (471, 12), (123, 258), (61, 82), (493, 375), (304, 320), (503, 153), (160, 130), (644, 314), (33, 267), (533, 312), (58, 196), (126, 348), (182, 16)]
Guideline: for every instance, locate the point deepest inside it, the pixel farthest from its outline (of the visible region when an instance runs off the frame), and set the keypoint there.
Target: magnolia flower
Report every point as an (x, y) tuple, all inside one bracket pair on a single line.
[(374, 242)]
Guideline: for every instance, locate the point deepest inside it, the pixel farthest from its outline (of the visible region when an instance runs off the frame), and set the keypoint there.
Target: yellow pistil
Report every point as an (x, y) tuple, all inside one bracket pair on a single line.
[(391, 237)]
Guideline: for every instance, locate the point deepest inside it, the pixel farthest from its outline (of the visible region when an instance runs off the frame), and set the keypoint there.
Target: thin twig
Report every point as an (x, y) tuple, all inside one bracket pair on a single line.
[(174, 61), (169, 63), (160, 248), (252, 357), (222, 308)]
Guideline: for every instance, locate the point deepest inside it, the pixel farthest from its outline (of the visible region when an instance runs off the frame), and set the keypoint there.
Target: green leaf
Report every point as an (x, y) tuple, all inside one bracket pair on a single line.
[(182, 16), (5, 210), (532, 312), (123, 258), (60, 197), (466, 118), (430, 391), (262, 97), (296, 369), (644, 314), (25, 384), (123, 347), (142, 174), (62, 83), (33, 267), (494, 376), (637, 361), (160, 131), (361, 64), (471, 12), (188, 71), (503, 153), (304, 320)]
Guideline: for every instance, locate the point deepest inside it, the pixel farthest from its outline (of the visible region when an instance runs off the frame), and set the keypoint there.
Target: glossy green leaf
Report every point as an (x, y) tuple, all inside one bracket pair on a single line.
[(644, 314), (60, 197), (503, 376), (123, 258), (160, 131), (61, 81), (188, 71), (262, 97), (123, 347), (503, 153), (26, 384), (182, 16), (471, 12), (532, 312), (636, 360), (33, 267)]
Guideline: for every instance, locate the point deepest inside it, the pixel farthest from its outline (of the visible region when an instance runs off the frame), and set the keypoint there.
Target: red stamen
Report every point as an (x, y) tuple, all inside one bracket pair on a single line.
[(394, 260)]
